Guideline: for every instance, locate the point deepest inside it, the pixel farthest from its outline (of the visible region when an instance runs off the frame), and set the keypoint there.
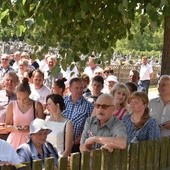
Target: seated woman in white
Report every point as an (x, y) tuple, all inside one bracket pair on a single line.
[(62, 128)]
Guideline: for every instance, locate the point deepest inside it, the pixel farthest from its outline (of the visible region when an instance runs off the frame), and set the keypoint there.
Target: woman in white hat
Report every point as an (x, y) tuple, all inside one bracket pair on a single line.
[(37, 147)]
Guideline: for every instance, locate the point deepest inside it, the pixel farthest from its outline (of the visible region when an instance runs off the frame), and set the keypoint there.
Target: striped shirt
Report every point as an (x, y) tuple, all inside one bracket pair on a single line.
[(120, 113)]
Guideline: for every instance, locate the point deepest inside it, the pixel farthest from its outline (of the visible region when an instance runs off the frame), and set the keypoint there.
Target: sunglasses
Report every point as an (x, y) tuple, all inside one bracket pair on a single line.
[(4, 59), (103, 106), (110, 71)]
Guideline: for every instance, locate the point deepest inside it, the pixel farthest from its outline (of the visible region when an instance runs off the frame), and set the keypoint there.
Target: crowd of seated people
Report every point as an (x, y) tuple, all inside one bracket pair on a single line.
[(42, 111)]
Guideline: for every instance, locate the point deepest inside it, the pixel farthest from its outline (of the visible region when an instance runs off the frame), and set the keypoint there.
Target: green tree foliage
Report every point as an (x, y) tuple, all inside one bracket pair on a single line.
[(84, 26), (148, 43)]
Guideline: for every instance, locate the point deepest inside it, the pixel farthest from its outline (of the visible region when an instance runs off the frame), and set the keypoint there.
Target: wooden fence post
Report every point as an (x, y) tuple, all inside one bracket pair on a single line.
[(115, 160), (156, 154), (49, 163), (164, 152), (85, 161), (106, 163), (10, 167), (168, 163), (63, 163), (141, 155), (75, 161), (37, 165), (133, 156), (149, 155), (96, 159), (124, 159)]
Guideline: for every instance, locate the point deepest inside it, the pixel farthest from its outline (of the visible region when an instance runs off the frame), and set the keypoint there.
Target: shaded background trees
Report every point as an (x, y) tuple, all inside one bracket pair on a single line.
[(76, 27)]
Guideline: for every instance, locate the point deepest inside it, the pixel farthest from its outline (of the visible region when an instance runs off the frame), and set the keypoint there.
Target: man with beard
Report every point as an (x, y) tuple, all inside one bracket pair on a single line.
[(103, 130)]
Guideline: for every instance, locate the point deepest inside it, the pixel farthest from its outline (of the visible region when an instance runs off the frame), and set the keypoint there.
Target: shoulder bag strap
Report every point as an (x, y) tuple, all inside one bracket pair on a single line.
[(137, 133), (34, 110), (52, 150), (64, 134)]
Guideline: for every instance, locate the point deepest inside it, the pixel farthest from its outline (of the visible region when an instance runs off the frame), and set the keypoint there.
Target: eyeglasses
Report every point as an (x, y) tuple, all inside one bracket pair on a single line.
[(103, 106), (109, 71), (4, 59)]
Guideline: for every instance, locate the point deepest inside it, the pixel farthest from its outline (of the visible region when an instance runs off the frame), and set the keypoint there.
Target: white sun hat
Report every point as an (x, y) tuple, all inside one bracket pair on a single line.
[(112, 78), (37, 125)]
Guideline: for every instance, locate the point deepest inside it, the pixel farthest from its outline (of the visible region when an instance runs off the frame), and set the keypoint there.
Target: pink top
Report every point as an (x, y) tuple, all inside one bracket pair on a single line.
[(20, 119)]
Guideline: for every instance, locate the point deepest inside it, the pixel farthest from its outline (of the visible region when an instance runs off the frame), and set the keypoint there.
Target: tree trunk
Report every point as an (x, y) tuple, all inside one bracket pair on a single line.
[(165, 66)]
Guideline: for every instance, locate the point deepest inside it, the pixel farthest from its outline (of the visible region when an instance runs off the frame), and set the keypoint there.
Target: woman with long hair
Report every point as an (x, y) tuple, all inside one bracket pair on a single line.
[(139, 125), (120, 92)]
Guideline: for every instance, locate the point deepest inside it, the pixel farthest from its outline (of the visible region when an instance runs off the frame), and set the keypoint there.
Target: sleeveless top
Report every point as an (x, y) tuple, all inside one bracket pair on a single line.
[(20, 119), (57, 136)]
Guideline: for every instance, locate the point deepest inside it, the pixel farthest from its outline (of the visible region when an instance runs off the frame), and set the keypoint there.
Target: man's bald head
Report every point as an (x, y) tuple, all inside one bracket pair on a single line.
[(104, 108), (105, 99)]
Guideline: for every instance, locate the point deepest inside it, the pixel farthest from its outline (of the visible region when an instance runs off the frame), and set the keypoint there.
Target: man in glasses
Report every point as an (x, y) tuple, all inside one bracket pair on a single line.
[(108, 71), (103, 130), (4, 67)]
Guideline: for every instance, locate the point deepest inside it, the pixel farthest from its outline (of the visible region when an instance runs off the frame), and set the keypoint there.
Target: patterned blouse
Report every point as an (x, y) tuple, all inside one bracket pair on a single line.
[(150, 130)]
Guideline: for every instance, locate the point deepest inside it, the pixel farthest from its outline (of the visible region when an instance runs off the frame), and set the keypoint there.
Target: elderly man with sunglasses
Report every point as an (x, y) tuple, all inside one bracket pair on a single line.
[(103, 130)]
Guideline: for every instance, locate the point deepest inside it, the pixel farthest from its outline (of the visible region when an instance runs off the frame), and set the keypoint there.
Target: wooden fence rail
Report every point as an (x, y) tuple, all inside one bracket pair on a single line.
[(146, 155)]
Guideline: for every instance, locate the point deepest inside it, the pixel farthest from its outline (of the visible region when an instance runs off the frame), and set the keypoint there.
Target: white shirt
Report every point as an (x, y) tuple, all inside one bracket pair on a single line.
[(90, 72), (160, 112), (145, 72), (40, 94), (8, 153), (43, 65), (16, 66), (70, 73)]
